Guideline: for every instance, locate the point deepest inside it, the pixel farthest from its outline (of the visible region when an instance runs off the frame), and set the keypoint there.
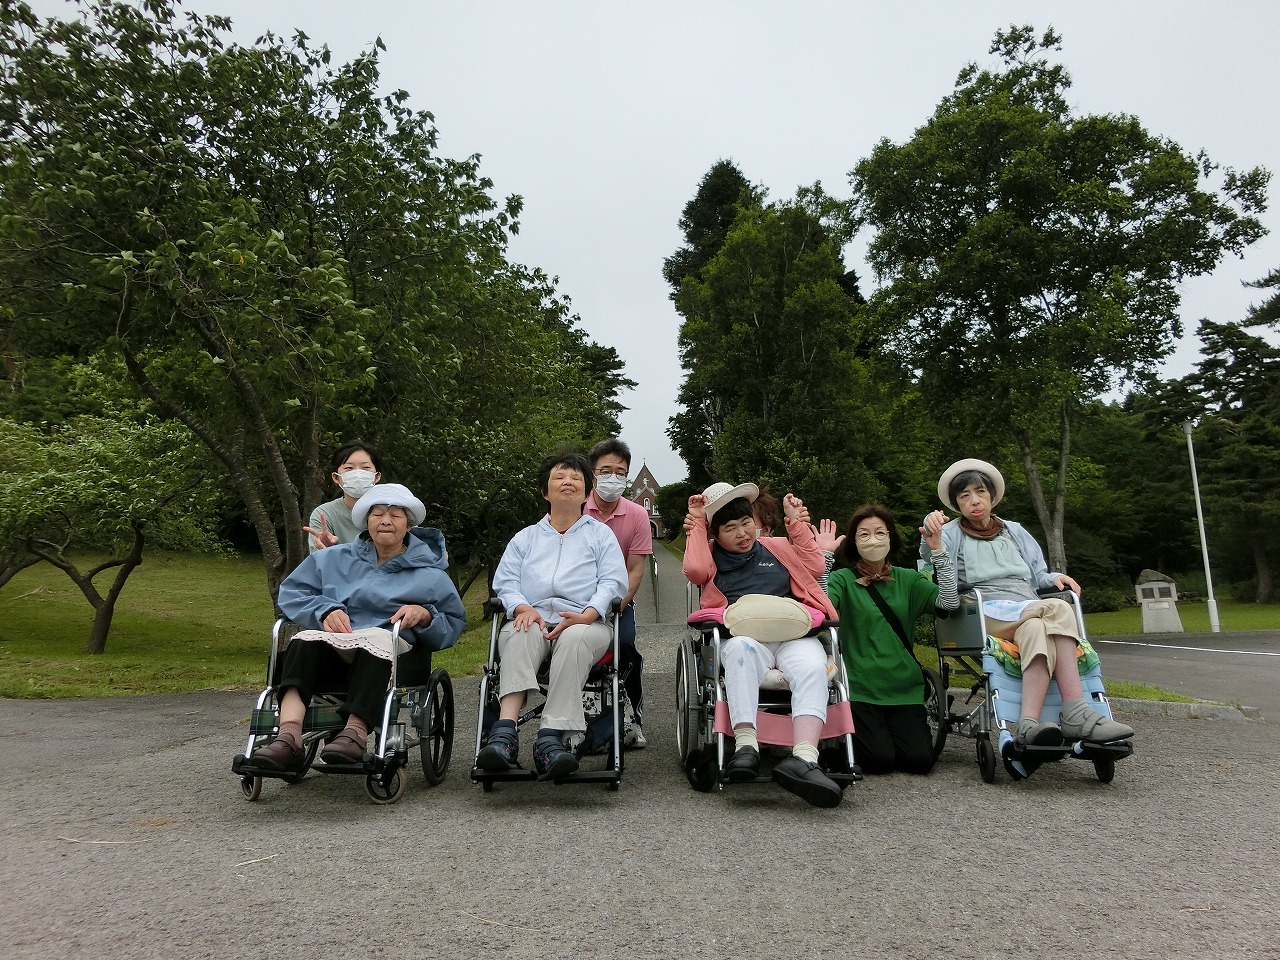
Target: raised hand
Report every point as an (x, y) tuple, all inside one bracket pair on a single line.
[(793, 508), (824, 535), (931, 531), (323, 537)]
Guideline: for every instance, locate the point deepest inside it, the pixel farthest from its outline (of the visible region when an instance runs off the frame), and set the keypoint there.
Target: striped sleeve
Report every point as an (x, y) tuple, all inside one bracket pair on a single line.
[(944, 575)]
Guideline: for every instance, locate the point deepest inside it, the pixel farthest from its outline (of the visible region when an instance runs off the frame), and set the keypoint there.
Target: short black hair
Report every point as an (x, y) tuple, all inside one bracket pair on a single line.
[(736, 509), (565, 458), (347, 449), (611, 446), (962, 480)]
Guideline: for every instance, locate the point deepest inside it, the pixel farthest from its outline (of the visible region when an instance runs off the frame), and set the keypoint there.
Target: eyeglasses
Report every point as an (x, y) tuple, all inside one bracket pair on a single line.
[(866, 535), (611, 472)]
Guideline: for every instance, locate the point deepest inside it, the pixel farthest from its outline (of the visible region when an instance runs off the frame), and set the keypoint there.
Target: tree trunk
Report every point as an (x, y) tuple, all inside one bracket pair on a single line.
[(1262, 563), (107, 608), (1051, 520)]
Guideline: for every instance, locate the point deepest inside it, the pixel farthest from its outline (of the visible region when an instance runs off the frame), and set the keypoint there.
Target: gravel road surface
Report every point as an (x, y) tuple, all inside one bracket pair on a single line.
[(125, 835)]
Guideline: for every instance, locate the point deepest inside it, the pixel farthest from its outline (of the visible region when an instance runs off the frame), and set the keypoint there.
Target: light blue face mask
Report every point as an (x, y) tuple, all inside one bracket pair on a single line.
[(610, 487), (356, 483)]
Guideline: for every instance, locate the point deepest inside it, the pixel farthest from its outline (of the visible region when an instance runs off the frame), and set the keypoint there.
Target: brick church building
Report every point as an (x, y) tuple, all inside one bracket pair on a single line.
[(644, 491)]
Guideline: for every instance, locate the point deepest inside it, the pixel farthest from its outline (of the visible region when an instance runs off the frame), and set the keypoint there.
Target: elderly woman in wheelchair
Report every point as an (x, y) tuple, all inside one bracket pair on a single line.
[(724, 557), (556, 581), (1001, 559), (348, 598)]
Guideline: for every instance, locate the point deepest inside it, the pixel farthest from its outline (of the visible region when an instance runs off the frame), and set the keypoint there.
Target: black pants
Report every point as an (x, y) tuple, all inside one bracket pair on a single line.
[(888, 738), (313, 667)]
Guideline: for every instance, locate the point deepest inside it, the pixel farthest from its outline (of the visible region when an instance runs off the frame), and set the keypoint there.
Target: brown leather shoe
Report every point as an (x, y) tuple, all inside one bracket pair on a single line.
[(344, 748), (278, 753)]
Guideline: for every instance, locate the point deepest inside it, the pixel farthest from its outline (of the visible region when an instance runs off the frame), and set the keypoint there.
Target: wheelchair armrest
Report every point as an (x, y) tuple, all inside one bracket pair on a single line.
[(615, 606), (492, 607), (1050, 592)]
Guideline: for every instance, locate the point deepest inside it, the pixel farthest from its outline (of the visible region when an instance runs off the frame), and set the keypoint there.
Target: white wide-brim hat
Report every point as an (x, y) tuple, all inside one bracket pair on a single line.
[(718, 494), (388, 495), (963, 466)]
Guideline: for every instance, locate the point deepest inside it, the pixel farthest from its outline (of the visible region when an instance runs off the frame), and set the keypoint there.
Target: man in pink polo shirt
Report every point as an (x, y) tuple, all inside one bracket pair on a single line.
[(611, 462)]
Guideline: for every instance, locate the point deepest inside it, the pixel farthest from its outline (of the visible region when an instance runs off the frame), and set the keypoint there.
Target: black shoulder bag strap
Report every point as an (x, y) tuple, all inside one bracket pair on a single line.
[(893, 621)]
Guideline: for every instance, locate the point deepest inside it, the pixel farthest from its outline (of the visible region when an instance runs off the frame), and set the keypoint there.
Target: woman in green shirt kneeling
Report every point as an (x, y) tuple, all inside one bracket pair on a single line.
[(879, 605)]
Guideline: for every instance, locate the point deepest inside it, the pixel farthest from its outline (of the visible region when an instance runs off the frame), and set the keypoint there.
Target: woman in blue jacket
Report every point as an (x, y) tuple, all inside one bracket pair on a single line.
[(346, 598)]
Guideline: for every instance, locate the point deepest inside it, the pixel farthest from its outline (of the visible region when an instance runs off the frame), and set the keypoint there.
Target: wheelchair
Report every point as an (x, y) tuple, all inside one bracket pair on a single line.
[(704, 735), (965, 656), (417, 713), (604, 701)]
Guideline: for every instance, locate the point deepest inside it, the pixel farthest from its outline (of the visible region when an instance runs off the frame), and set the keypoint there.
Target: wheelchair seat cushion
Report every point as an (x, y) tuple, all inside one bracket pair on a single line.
[(1008, 656)]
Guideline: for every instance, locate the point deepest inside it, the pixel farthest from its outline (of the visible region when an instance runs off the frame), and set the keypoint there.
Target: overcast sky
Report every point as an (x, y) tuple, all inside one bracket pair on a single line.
[(605, 116)]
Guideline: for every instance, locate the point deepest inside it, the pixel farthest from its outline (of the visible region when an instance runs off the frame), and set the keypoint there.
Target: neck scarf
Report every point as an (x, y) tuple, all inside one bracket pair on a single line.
[(978, 533), (874, 573)]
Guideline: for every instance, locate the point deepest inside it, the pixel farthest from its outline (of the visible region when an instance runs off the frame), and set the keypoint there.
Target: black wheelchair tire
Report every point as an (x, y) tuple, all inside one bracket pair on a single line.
[(435, 737), (986, 758), (688, 709), (1105, 768), (935, 709)]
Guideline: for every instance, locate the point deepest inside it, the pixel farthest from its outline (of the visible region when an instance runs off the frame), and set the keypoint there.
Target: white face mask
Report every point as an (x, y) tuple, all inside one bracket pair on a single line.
[(874, 551), (610, 487), (356, 483)]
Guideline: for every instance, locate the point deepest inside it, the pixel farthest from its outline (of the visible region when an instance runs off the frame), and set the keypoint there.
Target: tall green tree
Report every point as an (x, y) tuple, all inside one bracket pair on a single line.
[(280, 257), (1033, 255), (770, 344), (705, 222), (1234, 396)]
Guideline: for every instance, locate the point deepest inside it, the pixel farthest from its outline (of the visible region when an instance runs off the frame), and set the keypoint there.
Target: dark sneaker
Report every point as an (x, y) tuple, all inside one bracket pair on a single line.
[(744, 765), (501, 749), (551, 759), (278, 753), (344, 748), (806, 780)]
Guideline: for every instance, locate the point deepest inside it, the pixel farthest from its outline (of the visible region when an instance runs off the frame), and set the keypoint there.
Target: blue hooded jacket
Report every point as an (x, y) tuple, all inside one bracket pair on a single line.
[(347, 577)]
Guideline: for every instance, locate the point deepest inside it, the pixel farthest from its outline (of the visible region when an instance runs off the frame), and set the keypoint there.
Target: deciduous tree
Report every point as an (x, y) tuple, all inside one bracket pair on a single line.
[(1034, 255)]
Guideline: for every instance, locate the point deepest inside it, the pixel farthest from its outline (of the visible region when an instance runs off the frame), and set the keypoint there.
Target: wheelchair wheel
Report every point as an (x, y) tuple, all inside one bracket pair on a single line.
[(385, 788), (986, 758), (1105, 768), (935, 709), (688, 709), (251, 787), (436, 734)]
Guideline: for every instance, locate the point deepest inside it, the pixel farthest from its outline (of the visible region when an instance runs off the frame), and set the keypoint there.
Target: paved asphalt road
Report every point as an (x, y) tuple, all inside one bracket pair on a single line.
[(125, 835)]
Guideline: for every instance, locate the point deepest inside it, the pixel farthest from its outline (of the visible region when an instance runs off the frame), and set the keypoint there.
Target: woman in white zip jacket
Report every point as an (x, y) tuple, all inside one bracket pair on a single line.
[(556, 581)]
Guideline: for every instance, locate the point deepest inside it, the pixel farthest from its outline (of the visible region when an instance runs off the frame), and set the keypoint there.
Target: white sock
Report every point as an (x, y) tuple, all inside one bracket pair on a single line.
[(805, 751), (745, 737)]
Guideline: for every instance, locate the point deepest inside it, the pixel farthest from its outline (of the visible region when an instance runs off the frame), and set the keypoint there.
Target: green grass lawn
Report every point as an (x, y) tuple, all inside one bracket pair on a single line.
[(1232, 615), (183, 623)]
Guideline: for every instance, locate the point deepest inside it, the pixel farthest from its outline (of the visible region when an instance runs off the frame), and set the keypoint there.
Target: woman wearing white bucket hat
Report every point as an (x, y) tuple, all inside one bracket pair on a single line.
[(726, 559), (1005, 562), (346, 598)]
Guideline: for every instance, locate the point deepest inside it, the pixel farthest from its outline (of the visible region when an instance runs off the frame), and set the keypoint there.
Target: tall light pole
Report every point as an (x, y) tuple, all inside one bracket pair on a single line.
[(1187, 427)]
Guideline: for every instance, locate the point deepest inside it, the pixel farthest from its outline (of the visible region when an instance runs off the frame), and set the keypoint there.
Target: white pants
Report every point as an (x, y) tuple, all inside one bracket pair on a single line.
[(746, 660), (573, 654)]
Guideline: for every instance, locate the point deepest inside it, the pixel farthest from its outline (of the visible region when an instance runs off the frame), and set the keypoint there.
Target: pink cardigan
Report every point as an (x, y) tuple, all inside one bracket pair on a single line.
[(797, 552)]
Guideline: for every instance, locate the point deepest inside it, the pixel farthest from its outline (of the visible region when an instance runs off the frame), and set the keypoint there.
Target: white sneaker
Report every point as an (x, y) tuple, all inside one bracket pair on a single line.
[(634, 738)]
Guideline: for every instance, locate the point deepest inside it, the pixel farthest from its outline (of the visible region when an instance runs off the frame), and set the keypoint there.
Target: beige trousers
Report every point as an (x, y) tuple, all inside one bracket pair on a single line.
[(573, 654), (1040, 621)]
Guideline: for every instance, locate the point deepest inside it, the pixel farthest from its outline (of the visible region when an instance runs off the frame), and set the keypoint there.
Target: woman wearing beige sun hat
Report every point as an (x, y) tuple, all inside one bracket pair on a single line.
[(1004, 561), (731, 563)]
